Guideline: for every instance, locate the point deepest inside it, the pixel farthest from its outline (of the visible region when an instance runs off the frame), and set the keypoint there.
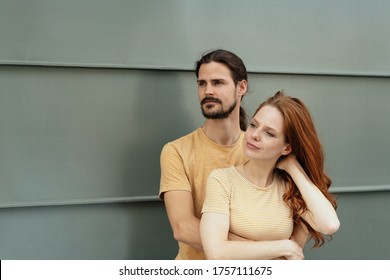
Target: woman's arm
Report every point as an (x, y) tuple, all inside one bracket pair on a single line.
[(214, 230), (320, 215)]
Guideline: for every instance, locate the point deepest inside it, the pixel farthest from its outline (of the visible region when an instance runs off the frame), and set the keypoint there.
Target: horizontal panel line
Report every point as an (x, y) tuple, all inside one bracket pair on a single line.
[(152, 198), (86, 201), (356, 189), (182, 68)]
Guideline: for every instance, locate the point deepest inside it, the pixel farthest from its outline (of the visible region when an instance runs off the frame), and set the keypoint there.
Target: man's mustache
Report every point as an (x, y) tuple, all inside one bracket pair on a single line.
[(212, 99)]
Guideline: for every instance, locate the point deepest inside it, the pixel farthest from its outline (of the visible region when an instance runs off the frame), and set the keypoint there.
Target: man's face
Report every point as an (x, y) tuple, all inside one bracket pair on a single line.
[(217, 92)]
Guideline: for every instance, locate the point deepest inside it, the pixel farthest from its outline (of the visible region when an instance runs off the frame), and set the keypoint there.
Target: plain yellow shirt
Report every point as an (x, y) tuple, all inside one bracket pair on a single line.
[(186, 164)]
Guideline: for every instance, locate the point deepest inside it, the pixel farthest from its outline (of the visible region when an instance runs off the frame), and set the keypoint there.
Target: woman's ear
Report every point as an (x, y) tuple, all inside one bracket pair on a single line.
[(287, 150)]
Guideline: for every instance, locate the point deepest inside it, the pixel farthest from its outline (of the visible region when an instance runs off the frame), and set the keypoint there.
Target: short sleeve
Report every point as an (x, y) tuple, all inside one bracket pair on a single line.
[(218, 193), (173, 174)]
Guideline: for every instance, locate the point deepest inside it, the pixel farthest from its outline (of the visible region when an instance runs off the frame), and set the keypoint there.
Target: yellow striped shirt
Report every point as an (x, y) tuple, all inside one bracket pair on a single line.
[(255, 213)]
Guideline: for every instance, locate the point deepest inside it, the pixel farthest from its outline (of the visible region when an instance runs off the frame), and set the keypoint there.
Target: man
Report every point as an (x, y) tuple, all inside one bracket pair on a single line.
[(186, 162)]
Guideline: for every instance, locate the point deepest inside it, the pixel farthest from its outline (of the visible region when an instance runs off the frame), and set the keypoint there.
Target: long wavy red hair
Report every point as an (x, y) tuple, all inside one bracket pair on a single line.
[(301, 134)]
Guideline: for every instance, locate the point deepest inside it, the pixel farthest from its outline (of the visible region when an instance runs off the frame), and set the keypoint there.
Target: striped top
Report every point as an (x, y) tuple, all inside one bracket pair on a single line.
[(255, 213)]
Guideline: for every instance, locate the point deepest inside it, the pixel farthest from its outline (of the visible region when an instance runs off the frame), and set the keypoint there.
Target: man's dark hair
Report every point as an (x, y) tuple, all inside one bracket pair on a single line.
[(237, 70)]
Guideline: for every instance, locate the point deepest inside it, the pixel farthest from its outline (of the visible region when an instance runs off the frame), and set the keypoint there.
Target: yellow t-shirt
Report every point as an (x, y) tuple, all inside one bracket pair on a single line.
[(185, 165), (256, 213)]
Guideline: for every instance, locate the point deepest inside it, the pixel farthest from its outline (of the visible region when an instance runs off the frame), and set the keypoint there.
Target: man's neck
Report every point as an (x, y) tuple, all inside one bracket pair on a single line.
[(222, 131)]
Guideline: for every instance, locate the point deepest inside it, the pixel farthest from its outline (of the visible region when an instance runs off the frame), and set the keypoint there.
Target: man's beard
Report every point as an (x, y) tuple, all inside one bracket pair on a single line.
[(220, 114)]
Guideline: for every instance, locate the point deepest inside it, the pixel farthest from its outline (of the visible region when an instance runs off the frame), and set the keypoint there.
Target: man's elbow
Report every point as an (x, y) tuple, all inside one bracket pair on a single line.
[(178, 232)]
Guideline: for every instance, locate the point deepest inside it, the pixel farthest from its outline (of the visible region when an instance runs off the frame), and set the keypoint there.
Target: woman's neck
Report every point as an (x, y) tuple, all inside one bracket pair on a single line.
[(259, 173)]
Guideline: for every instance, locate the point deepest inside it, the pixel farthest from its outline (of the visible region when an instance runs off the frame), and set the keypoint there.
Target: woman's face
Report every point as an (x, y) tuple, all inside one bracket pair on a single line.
[(264, 138)]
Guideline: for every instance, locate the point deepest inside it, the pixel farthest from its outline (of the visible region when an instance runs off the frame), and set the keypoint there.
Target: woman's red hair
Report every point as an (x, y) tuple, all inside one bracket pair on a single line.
[(301, 134)]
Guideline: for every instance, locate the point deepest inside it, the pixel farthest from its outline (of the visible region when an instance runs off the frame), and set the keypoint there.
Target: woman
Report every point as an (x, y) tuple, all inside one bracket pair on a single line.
[(281, 187)]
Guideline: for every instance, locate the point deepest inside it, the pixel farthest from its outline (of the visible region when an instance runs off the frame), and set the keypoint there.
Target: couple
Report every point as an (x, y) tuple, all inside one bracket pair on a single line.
[(234, 191)]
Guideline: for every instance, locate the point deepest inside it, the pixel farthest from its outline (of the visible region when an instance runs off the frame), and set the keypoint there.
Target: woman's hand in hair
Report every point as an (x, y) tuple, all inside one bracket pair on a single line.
[(286, 163)]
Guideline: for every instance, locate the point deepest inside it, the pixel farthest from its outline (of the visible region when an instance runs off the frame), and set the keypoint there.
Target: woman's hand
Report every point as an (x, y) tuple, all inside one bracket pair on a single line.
[(295, 252), (320, 213), (287, 163)]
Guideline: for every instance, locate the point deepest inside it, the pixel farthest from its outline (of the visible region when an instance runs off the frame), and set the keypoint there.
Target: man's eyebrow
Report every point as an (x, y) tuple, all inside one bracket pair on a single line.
[(213, 80)]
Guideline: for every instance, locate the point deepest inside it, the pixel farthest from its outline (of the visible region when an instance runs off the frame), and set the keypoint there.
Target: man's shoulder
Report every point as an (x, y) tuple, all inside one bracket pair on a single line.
[(188, 138)]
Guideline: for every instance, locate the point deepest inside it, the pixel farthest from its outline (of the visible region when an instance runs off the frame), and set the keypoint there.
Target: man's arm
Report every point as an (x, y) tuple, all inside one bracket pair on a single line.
[(184, 223), (300, 235)]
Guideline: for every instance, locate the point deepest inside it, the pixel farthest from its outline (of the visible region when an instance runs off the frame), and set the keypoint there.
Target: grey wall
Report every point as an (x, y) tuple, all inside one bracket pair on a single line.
[(91, 90)]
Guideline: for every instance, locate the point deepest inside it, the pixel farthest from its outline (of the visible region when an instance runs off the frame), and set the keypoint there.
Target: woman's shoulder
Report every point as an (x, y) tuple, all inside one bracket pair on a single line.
[(223, 172), (227, 177)]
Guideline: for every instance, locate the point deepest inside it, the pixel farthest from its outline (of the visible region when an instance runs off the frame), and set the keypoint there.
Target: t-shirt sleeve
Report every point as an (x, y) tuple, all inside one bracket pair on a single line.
[(173, 174), (218, 193)]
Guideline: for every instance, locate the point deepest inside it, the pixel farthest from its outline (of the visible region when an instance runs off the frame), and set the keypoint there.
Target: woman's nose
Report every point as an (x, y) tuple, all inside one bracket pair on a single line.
[(256, 135)]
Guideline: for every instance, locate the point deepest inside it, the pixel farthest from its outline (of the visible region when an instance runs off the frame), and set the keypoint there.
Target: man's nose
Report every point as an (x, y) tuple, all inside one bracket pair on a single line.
[(209, 89)]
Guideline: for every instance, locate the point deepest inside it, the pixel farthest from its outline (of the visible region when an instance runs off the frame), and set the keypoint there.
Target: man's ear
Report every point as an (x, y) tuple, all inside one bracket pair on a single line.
[(242, 87), (287, 150)]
